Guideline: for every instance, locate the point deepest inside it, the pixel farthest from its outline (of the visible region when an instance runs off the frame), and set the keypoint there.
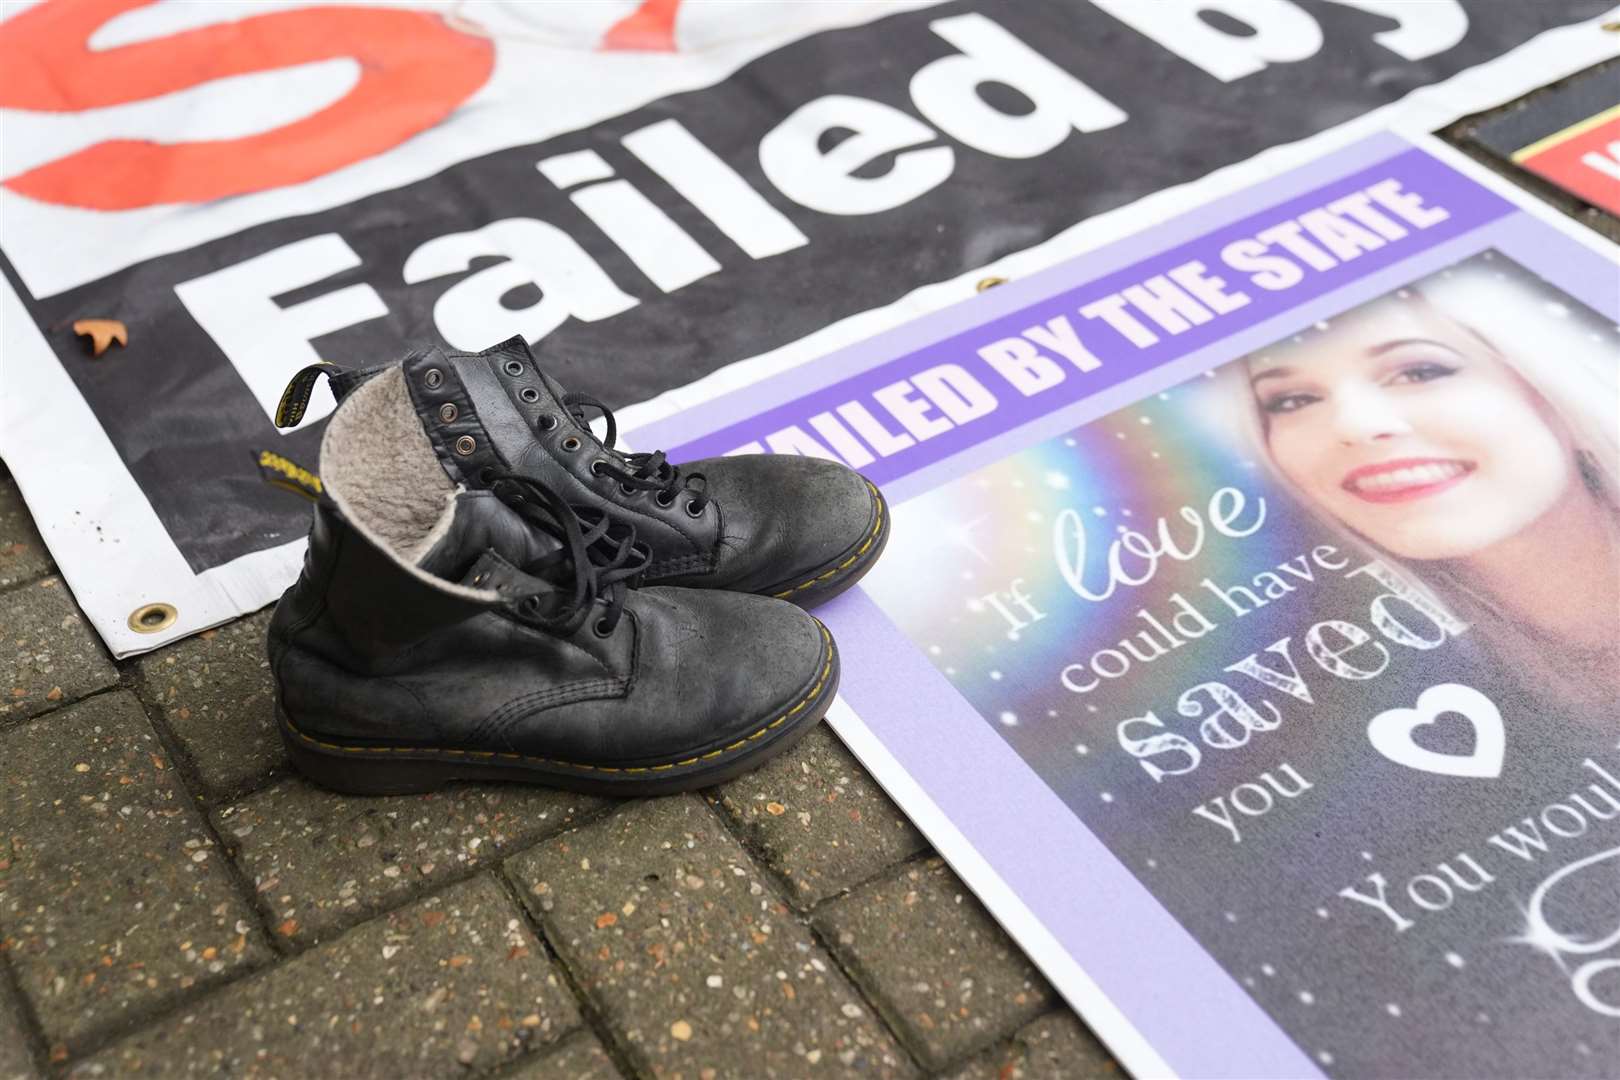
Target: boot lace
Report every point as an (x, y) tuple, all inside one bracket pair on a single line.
[(639, 472), (602, 555)]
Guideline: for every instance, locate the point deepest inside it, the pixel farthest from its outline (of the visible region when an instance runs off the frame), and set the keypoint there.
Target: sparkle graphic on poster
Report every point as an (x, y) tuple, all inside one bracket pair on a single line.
[(1320, 644)]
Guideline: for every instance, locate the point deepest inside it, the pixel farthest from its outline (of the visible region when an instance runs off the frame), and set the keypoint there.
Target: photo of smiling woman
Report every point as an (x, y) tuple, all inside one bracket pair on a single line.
[(1464, 430)]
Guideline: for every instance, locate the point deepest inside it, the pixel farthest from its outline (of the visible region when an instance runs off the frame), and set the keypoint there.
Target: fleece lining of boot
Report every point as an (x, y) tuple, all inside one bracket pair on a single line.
[(379, 468)]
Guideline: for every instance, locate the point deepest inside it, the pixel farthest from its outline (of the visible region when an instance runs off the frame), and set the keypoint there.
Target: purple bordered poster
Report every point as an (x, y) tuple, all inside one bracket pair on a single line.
[(1247, 635)]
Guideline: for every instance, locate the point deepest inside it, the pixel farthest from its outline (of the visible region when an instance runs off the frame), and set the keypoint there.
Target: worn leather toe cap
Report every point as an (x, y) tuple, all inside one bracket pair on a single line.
[(713, 668), (786, 518)]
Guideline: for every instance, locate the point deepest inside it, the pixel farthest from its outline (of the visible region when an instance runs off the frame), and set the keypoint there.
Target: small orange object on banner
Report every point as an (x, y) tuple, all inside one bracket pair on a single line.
[(102, 333)]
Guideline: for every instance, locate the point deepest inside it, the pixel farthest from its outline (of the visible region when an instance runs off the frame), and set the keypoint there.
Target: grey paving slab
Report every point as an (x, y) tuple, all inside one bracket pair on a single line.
[(113, 899), (450, 985), (819, 820), (321, 861), (947, 977), (16, 1055), (1055, 1047), (214, 693), (670, 930), (578, 1057), (48, 653), (22, 552)]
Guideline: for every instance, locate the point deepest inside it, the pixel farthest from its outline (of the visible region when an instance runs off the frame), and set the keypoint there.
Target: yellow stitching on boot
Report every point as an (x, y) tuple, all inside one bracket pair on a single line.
[(826, 671), (877, 527)]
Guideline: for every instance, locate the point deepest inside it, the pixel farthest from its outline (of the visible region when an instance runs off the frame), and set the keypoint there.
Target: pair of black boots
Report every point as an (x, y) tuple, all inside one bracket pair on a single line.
[(492, 592)]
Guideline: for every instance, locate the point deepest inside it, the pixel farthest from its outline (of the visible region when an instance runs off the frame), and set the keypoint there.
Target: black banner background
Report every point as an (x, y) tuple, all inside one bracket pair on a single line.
[(190, 431)]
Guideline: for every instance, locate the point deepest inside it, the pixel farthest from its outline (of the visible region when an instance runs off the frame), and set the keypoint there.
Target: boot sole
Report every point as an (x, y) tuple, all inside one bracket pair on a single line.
[(820, 585), (410, 770)]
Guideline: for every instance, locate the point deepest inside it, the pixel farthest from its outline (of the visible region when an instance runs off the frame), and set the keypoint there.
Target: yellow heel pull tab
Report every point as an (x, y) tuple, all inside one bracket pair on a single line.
[(295, 399)]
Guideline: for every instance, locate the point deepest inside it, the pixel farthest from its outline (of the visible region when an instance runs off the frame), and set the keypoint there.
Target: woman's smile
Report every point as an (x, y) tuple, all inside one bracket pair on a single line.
[(1405, 479)]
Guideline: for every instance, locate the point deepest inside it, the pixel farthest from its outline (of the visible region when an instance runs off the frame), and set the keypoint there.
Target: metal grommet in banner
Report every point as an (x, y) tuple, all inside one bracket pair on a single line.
[(447, 412), (152, 618), (465, 446), (433, 379), (989, 283)]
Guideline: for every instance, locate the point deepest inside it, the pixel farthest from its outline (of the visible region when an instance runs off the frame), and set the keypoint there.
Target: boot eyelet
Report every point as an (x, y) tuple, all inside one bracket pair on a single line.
[(448, 412), (433, 379), (601, 629), (529, 394), (693, 510), (597, 466), (545, 422), (571, 443), (466, 445), (486, 475), (514, 368), (628, 489), (666, 499)]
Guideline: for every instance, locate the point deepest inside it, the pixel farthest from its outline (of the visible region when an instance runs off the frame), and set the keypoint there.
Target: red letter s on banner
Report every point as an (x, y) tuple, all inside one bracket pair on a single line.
[(414, 71), (650, 28)]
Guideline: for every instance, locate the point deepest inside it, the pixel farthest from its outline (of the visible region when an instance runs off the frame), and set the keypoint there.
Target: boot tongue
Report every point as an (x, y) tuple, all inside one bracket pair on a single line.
[(480, 410), (485, 543)]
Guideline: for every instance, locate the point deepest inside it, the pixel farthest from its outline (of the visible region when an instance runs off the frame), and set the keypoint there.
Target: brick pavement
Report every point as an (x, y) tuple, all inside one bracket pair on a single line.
[(173, 902), (212, 691)]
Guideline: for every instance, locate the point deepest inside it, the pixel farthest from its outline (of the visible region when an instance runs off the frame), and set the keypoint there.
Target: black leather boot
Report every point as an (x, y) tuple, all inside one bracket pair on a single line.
[(441, 634), (796, 528)]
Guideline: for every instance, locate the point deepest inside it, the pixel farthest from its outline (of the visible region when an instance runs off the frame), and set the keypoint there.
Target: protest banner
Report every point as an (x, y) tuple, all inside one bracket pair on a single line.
[(1570, 136), (654, 193), (1247, 633)]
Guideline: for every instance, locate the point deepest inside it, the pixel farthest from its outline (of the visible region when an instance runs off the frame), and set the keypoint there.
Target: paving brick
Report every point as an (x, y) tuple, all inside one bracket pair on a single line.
[(579, 1057), (214, 692), (112, 899), (451, 984), (16, 1056), (667, 926), (819, 820), (22, 553), (947, 977), (322, 861), (1055, 1047), (48, 653)]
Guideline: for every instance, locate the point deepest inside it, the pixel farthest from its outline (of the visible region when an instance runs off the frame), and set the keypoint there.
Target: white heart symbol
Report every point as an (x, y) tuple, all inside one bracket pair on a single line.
[(1391, 732)]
